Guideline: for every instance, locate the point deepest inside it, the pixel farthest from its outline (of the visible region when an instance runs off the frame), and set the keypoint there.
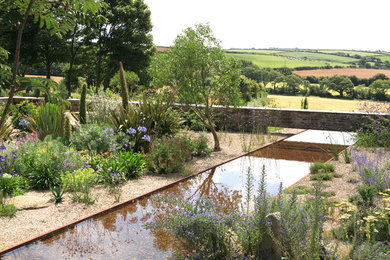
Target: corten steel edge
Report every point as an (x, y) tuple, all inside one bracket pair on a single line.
[(120, 205)]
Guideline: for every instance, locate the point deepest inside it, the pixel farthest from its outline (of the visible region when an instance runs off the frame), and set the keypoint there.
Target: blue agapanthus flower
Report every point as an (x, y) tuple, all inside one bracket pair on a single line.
[(131, 131), (23, 122), (146, 138), (109, 131), (142, 129)]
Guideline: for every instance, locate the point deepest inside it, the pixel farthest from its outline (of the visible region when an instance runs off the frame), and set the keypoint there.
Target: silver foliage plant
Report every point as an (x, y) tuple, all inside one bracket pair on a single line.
[(99, 107)]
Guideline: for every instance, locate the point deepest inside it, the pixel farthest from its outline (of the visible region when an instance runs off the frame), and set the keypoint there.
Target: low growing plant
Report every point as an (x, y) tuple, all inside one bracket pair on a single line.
[(98, 138), (42, 163), (58, 193), (77, 180), (168, 155), (13, 185), (133, 164)]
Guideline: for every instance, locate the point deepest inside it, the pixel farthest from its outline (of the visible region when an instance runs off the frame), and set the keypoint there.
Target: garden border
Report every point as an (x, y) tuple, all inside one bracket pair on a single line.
[(120, 205)]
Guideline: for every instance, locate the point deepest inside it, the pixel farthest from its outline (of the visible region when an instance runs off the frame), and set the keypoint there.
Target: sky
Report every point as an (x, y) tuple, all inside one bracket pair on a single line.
[(310, 24)]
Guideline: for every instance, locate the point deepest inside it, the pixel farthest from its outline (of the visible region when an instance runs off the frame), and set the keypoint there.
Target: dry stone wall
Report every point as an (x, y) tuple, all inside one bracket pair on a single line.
[(249, 118)]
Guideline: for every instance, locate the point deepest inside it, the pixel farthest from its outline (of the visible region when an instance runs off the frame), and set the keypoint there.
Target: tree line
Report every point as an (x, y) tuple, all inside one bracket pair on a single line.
[(284, 81)]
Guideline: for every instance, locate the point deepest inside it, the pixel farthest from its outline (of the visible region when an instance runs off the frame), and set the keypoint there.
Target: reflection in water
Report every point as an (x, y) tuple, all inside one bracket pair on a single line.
[(121, 233)]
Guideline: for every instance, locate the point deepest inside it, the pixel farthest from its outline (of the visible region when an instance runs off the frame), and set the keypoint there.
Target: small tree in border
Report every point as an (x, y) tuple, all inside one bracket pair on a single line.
[(199, 73)]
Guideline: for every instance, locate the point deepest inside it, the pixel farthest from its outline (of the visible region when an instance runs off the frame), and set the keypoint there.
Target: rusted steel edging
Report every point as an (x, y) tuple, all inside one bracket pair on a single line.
[(120, 205)]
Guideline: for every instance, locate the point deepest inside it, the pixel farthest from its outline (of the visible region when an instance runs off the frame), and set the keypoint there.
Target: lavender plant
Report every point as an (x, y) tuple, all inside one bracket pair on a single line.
[(42, 162), (377, 131), (372, 168), (206, 230)]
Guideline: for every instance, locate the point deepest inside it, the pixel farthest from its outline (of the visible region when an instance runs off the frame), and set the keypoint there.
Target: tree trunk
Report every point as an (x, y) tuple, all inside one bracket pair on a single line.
[(72, 58), (47, 62), (98, 72), (217, 146), (16, 63)]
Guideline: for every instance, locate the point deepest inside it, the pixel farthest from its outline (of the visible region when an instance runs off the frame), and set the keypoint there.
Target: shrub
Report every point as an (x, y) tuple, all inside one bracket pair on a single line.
[(8, 210), (100, 106), (7, 161), (192, 121), (168, 155), (133, 164), (43, 162), (49, 120), (77, 180), (13, 185), (80, 183), (371, 168), (159, 118), (321, 167), (112, 172), (21, 114), (131, 79), (299, 190), (98, 138), (377, 131), (199, 145), (368, 194)]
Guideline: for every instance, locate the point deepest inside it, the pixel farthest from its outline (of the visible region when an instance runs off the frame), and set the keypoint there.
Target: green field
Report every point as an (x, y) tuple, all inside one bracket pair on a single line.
[(384, 58), (351, 53), (292, 58), (270, 61), (264, 51), (318, 56)]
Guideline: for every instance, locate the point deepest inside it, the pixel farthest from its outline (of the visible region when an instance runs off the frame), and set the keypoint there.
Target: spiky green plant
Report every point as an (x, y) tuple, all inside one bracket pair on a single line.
[(83, 106), (67, 129), (124, 90), (49, 120)]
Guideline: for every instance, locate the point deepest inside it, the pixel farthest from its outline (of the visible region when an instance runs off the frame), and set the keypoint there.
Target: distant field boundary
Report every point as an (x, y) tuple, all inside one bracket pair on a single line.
[(360, 73)]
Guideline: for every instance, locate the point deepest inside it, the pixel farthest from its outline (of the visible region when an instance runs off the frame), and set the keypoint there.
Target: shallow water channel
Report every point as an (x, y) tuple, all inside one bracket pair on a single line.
[(121, 234)]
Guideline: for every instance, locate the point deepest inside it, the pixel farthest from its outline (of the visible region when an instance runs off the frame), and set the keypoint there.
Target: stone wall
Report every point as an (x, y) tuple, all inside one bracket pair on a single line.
[(17, 100), (249, 118)]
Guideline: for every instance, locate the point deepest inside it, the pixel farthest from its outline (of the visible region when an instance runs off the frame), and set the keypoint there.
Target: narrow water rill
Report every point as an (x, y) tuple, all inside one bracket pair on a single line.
[(121, 233)]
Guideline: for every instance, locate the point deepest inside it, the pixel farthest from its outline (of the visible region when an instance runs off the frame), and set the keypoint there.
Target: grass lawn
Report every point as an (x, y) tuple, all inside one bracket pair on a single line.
[(316, 103)]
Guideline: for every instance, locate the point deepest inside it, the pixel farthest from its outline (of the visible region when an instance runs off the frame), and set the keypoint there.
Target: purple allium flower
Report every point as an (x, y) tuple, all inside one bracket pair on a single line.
[(2, 147), (131, 131)]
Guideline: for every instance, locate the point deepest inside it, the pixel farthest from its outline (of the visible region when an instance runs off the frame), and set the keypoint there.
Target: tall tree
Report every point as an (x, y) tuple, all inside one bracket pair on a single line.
[(338, 83), (199, 73), (125, 37), (57, 16)]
